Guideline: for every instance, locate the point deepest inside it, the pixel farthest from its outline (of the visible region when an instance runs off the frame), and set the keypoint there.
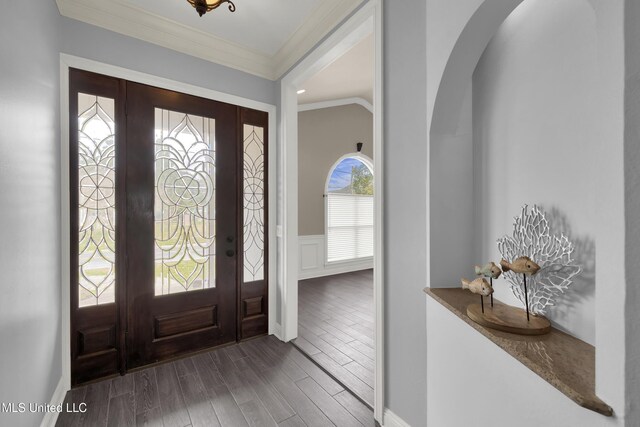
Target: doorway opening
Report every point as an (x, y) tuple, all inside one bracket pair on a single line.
[(168, 224), (298, 268), (336, 318)]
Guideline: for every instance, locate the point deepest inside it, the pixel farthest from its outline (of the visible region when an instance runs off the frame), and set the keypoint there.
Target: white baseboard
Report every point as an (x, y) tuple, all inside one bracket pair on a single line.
[(390, 419), (57, 398), (311, 250), (277, 330)]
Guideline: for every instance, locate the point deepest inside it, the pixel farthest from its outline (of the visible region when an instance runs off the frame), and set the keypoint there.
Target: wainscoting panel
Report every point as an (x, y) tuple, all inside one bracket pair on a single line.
[(313, 261)]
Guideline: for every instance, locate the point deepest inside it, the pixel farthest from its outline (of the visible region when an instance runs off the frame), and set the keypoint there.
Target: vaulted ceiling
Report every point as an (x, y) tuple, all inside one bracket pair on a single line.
[(262, 37)]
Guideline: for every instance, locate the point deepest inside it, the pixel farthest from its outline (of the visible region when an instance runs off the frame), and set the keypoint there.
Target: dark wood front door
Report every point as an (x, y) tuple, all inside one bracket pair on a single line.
[(168, 224), (181, 227)]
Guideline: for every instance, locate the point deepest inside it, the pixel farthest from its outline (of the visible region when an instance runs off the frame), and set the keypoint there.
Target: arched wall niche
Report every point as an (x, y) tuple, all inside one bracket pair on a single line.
[(451, 195), (464, 57), (451, 198), (535, 125)]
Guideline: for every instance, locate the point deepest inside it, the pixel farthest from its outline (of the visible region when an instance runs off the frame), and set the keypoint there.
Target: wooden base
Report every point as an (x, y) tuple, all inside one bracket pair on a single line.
[(508, 319)]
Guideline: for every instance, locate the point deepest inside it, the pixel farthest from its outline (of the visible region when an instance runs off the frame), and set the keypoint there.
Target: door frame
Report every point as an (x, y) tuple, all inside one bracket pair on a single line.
[(70, 61), (367, 20)]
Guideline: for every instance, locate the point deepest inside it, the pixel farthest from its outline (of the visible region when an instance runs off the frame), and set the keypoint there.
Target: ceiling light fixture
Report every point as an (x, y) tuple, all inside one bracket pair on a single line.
[(204, 6), (301, 91)]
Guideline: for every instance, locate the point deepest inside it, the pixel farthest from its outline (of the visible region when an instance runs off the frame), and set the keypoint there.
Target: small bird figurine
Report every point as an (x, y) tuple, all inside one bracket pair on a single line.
[(477, 286), (522, 265), (489, 270)]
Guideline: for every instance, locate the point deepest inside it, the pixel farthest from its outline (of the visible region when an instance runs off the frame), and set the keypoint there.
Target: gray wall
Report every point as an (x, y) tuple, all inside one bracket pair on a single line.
[(632, 206), (30, 365), (405, 220), (451, 201), (91, 42), (324, 136)]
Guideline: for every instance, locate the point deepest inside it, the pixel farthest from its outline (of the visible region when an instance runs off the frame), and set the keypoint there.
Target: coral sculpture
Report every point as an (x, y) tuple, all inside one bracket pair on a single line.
[(531, 237)]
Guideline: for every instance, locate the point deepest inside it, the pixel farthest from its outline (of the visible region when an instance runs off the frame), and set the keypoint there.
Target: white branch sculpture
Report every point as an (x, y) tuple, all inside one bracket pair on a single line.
[(552, 253)]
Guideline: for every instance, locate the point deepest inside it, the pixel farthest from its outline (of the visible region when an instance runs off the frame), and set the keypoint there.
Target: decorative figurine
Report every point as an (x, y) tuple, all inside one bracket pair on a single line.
[(478, 286), (537, 265), (525, 266), (552, 253), (522, 265), (490, 270)]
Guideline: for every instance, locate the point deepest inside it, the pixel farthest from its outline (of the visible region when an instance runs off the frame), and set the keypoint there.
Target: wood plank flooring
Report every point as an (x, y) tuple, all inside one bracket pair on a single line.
[(262, 382), (336, 328)]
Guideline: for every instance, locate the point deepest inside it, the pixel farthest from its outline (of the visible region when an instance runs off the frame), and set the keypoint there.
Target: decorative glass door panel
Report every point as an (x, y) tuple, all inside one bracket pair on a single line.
[(185, 224)]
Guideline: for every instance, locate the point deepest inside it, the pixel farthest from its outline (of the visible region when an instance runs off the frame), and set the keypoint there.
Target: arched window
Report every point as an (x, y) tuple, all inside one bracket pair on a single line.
[(349, 209)]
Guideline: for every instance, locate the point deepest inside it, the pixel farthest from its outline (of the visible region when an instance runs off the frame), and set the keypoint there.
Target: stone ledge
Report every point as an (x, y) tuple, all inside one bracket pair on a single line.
[(565, 362)]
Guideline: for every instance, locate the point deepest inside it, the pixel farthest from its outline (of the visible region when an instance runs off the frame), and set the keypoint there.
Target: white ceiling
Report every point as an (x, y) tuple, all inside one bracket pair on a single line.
[(350, 76), (262, 25), (262, 37)]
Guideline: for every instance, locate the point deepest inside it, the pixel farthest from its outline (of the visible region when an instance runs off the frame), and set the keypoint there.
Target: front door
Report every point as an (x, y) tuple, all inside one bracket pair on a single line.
[(181, 223), (168, 252)]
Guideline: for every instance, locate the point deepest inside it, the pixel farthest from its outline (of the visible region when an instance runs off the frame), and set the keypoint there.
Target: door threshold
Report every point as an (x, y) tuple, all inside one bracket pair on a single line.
[(333, 377), (181, 356)]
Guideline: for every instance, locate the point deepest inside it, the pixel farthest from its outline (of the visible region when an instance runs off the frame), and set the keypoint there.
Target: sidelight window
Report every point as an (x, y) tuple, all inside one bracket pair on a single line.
[(253, 192), (96, 200)]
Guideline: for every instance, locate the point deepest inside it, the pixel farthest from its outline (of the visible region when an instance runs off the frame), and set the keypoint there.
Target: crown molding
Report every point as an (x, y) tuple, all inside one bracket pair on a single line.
[(132, 21), (323, 19), (336, 103)]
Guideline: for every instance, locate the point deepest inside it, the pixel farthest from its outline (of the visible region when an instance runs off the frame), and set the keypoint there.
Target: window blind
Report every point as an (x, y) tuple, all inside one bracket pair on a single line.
[(349, 226)]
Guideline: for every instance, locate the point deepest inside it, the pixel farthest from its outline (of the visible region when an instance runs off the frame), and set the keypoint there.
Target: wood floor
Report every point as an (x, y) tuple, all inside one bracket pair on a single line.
[(336, 328), (262, 382)]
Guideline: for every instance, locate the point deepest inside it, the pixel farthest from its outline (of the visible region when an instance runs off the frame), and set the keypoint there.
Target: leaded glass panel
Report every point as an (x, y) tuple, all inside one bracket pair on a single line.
[(96, 200), (253, 203), (185, 226)]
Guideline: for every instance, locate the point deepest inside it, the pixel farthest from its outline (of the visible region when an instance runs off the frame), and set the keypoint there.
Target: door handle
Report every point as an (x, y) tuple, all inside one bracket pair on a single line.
[(230, 252)]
